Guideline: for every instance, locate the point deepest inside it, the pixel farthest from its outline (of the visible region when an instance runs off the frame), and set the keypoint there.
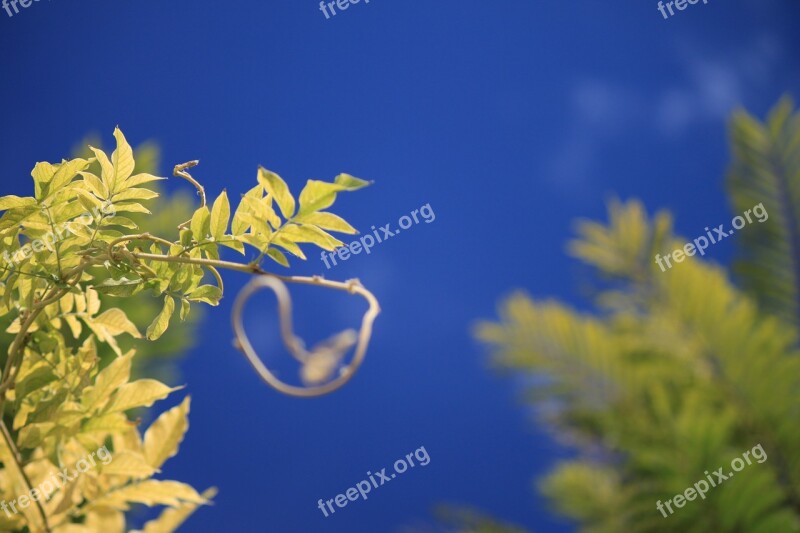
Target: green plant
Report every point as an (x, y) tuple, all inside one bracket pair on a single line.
[(153, 359), (676, 372), (72, 250)]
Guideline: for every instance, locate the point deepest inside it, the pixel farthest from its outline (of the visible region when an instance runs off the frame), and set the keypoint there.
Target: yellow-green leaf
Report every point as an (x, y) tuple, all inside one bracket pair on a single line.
[(220, 215), (317, 195), (131, 207), (119, 287), (150, 492), (172, 518), (350, 183), (200, 224), (141, 179), (206, 293), (95, 184), (106, 168), (161, 322), (162, 438), (328, 221), (135, 193), (129, 464), (122, 159), (117, 323), (239, 225), (312, 234), (277, 188), (140, 393), (32, 435), (278, 257), (109, 423), (14, 202), (109, 379), (66, 171)]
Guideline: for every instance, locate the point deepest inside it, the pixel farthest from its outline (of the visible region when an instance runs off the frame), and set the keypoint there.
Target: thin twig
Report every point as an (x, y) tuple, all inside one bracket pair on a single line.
[(273, 282), (264, 280), (180, 172)]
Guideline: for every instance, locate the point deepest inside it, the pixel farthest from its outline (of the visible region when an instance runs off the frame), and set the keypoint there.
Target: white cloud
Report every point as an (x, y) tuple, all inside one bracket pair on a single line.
[(708, 89)]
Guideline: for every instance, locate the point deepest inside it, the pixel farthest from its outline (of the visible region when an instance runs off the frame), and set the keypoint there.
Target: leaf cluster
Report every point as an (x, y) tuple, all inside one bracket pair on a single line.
[(673, 373), (69, 252)]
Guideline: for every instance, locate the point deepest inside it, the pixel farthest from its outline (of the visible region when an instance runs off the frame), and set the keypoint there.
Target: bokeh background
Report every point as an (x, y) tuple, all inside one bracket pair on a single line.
[(510, 119)]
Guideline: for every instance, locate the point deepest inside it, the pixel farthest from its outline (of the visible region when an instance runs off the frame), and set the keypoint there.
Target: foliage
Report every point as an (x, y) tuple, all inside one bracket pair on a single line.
[(459, 519), (464, 520), (72, 252), (153, 359), (767, 168), (675, 373)]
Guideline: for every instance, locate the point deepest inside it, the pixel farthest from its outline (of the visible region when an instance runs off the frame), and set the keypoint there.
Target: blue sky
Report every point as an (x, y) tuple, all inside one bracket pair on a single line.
[(511, 119)]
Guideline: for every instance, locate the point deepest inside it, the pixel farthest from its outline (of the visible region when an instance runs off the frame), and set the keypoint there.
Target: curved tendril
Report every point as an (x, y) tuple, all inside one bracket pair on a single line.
[(291, 341)]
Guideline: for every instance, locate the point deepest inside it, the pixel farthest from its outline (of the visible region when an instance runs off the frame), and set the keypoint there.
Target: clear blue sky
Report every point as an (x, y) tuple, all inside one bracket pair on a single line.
[(510, 118)]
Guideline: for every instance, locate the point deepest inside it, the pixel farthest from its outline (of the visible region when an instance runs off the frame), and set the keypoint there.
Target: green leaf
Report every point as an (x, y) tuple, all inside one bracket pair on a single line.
[(109, 379), (65, 173), (161, 322), (135, 193), (106, 168), (201, 224), (95, 184), (350, 183), (15, 202), (206, 293), (162, 438), (119, 287), (116, 323), (141, 179), (150, 492), (123, 222), (172, 518), (122, 159), (312, 234), (278, 257), (185, 308), (328, 221), (289, 245), (140, 393), (239, 225), (32, 435), (109, 423), (220, 215), (277, 188), (131, 207), (42, 173), (318, 195), (129, 464), (89, 201), (258, 213)]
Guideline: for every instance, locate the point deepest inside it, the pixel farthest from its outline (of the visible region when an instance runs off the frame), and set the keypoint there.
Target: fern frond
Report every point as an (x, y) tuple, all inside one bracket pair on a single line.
[(766, 170)]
